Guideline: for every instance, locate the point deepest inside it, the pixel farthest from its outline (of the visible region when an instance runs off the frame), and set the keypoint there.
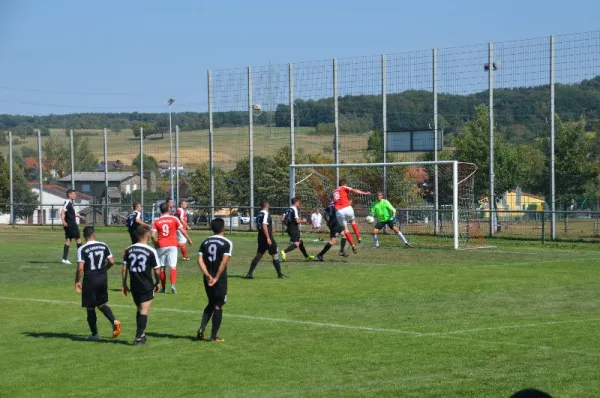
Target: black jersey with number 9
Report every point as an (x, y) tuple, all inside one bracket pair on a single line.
[(213, 250), (140, 260)]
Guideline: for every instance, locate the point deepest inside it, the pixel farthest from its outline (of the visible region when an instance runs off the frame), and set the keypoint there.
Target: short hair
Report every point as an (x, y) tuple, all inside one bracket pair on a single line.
[(88, 231), (217, 225), (181, 202), (295, 200), (168, 200), (164, 208), (531, 393), (70, 191), (135, 204), (379, 192), (141, 230), (343, 181), (263, 203)]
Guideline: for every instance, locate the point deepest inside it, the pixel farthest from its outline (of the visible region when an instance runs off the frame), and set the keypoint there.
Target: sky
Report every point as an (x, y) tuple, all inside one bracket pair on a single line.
[(74, 56)]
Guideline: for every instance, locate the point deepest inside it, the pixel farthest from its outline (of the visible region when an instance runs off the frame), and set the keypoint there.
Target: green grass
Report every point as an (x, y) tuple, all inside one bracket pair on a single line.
[(391, 322)]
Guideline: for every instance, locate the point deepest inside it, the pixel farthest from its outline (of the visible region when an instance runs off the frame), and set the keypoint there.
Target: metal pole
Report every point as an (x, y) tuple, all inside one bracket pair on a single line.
[(171, 155), (211, 147), (552, 139), (10, 178), (455, 203), (142, 168), (73, 159), (384, 119), (336, 147), (251, 146), (41, 169), (435, 145), (292, 134), (491, 90), (105, 177), (177, 162)]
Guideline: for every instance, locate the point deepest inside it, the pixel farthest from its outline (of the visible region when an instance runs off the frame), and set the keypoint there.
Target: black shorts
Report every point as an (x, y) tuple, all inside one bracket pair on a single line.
[(72, 232), (335, 231), (294, 233), (381, 224), (142, 297), (263, 247), (217, 294), (134, 237), (94, 293)]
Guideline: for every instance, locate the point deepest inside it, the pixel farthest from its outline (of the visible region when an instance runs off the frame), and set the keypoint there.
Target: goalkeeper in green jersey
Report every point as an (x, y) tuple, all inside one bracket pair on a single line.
[(385, 214)]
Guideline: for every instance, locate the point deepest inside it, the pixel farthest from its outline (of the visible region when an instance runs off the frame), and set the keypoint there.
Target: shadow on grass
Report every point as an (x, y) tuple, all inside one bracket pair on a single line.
[(171, 336), (72, 337)]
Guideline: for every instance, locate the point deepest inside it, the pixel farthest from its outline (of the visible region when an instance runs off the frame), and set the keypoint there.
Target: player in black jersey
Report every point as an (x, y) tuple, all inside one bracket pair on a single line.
[(93, 260), (69, 219), (335, 229), (140, 261), (214, 255), (133, 220), (293, 230), (266, 241)]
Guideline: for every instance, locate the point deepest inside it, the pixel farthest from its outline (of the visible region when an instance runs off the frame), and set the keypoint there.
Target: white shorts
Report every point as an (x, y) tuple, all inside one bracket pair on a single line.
[(344, 215), (180, 238), (167, 256)]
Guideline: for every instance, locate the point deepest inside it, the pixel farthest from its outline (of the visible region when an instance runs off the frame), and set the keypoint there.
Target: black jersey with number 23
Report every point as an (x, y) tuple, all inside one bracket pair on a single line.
[(141, 260)]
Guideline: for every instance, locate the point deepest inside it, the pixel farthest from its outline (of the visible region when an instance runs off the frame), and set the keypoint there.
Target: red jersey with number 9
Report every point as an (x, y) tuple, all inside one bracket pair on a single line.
[(166, 227), (340, 197)]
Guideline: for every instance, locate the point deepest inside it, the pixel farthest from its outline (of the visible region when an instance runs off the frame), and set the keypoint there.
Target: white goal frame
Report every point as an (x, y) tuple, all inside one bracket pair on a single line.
[(337, 166)]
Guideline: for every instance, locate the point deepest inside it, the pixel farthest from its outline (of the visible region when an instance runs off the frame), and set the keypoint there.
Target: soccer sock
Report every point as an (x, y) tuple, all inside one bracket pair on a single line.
[(349, 238), (216, 322), (402, 238), (163, 278), (325, 249), (343, 244), (208, 311), (91, 319), (107, 313), (290, 248), (356, 231), (173, 276), (303, 249), (253, 265), (142, 321), (184, 252), (277, 266), (65, 252), (376, 239)]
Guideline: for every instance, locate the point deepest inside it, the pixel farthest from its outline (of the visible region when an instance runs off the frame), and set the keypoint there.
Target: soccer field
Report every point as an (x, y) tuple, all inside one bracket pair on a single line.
[(389, 322)]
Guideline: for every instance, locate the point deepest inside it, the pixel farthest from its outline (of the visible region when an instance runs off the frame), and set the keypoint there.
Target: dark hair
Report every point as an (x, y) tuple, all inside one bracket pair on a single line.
[(343, 181), (168, 199), (531, 393), (263, 203), (70, 191), (181, 202), (88, 231), (295, 200), (135, 204), (164, 208), (217, 225), (141, 230)]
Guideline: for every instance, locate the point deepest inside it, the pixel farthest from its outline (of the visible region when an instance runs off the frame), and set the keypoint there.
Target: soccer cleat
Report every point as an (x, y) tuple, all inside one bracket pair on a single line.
[(186, 259), (249, 276), (217, 340), (200, 334), (93, 337), (140, 340), (354, 250), (173, 289), (376, 246), (320, 258), (281, 276), (163, 290), (359, 241), (408, 245), (116, 329), (309, 258), (66, 261), (343, 254), (283, 255)]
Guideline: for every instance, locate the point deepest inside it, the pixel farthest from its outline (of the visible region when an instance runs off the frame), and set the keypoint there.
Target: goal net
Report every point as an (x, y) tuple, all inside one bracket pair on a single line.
[(434, 201)]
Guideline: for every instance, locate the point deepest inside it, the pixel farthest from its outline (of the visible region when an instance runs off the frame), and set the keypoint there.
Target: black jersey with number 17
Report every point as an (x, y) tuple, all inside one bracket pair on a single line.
[(213, 250), (140, 260), (93, 255)]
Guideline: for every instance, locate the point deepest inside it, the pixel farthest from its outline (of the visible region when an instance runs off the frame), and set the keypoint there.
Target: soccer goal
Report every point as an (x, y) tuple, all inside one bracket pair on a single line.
[(434, 201)]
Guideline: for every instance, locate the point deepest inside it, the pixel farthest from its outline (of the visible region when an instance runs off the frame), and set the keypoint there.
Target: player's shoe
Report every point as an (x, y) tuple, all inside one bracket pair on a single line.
[(282, 255), (309, 258), (162, 290), (93, 337), (186, 259), (281, 276), (359, 241), (66, 261), (141, 340), (320, 258), (116, 329), (249, 276), (173, 289), (200, 335), (408, 245), (216, 340), (343, 254), (354, 249), (376, 246)]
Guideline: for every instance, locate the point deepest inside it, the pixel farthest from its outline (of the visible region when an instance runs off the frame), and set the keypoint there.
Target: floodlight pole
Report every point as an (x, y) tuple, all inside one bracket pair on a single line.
[(384, 120), (492, 199), (292, 131), (177, 164), (211, 164), (73, 159), (10, 177), (41, 169), (170, 102), (336, 121), (250, 147), (435, 147)]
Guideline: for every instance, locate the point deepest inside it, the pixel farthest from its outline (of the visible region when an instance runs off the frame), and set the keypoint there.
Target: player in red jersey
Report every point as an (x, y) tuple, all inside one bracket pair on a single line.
[(344, 211), (164, 235), (182, 215)]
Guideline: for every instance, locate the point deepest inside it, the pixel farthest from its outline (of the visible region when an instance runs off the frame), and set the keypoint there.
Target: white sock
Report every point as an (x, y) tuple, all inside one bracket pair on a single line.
[(402, 238), (376, 240)]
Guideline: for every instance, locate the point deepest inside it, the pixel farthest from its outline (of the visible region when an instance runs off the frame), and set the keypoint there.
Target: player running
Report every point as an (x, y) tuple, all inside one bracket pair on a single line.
[(164, 235), (214, 255), (385, 214), (182, 214), (266, 241), (133, 220), (140, 261), (69, 220), (334, 231), (292, 219), (93, 260), (344, 211)]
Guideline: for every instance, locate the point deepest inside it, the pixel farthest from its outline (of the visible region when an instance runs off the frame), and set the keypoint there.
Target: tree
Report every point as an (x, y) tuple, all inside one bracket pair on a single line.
[(56, 155), (149, 129), (150, 163), (200, 186), (23, 196)]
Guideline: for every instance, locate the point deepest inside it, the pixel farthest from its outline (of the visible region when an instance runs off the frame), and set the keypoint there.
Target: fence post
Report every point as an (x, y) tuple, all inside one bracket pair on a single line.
[(336, 121), (211, 165), (492, 198), (552, 138), (142, 169), (10, 177), (105, 178), (177, 164), (543, 227), (435, 144), (52, 215), (41, 172), (250, 147), (292, 132)]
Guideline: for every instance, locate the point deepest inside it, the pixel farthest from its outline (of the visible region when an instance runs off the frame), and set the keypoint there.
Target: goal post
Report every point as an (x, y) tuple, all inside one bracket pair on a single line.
[(411, 188)]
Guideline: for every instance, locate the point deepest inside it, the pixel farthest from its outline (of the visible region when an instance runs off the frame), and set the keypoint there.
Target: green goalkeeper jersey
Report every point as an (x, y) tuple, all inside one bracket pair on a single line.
[(383, 210)]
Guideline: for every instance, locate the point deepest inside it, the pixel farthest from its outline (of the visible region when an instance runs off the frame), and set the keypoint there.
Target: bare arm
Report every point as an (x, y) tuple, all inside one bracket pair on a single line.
[(110, 262), (184, 232), (203, 268), (62, 217), (222, 268), (265, 230), (359, 192), (78, 275)]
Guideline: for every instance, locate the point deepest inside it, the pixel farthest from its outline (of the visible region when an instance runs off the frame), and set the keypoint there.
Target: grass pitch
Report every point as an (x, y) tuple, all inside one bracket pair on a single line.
[(389, 322)]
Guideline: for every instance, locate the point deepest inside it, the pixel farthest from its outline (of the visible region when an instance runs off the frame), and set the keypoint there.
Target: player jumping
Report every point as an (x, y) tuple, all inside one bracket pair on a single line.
[(344, 211), (385, 214)]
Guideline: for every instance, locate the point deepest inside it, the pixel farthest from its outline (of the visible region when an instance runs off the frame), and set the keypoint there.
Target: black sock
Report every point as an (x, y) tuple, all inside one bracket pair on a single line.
[(343, 245), (208, 311), (142, 321), (253, 265), (79, 245), (107, 313), (325, 249), (277, 266), (216, 322), (303, 249), (91, 318), (290, 248), (65, 252)]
